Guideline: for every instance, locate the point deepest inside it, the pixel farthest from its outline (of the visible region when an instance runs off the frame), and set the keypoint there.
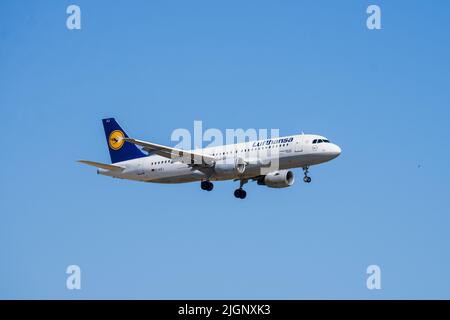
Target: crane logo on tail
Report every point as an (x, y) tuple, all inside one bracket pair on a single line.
[(116, 139)]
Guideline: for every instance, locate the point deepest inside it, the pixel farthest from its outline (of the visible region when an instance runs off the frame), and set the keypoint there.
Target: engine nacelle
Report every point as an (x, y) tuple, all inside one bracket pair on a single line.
[(278, 179), (230, 168)]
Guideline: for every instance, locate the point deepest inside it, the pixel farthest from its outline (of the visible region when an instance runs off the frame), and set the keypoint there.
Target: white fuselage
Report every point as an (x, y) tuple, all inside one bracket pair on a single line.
[(292, 152)]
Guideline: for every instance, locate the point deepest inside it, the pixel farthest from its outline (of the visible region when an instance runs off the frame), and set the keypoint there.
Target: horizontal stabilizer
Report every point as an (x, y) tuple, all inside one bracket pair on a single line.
[(105, 166)]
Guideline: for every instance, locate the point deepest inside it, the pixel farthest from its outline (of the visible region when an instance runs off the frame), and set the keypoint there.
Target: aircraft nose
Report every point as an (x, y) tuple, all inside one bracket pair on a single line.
[(336, 150)]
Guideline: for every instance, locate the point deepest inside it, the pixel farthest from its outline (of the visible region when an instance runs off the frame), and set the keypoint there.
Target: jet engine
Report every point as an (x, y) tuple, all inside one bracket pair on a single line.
[(278, 179)]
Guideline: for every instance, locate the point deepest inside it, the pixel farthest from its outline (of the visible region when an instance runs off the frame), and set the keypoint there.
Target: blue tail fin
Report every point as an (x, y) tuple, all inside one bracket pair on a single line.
[(119, 150)]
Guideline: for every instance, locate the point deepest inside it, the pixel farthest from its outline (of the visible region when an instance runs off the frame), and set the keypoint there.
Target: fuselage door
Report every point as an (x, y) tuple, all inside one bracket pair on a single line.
[(298, 145), (140, 169)]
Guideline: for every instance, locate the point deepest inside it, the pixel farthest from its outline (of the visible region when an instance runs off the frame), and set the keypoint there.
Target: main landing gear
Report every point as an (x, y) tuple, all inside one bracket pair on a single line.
[(306, 178), (240, 193), (206, 185)]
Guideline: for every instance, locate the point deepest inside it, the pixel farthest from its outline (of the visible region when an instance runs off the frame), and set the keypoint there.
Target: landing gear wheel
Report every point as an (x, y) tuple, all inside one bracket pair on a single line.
[(306, 178), (240, 193), (206, 185)]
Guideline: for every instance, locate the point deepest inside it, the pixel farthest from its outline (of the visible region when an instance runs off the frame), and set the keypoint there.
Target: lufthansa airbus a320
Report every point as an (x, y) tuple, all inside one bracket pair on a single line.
[(250, 161)]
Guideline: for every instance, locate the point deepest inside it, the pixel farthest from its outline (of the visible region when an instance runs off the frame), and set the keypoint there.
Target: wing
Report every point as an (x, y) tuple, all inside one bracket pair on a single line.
[(184, 156)]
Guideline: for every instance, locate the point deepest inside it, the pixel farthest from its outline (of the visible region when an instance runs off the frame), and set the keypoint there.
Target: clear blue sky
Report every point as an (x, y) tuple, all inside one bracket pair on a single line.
[(383, 96)]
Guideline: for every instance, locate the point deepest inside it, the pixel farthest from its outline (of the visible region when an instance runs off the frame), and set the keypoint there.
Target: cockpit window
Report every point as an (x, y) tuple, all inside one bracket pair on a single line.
[(320, 141)]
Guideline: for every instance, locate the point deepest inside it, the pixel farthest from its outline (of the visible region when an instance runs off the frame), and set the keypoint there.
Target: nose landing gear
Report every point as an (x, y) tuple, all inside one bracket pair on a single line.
[(206, 185), (306, 178)]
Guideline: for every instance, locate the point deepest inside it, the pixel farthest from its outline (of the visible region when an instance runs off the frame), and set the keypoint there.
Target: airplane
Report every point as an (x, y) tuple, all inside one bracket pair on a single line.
[(140, 160)]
